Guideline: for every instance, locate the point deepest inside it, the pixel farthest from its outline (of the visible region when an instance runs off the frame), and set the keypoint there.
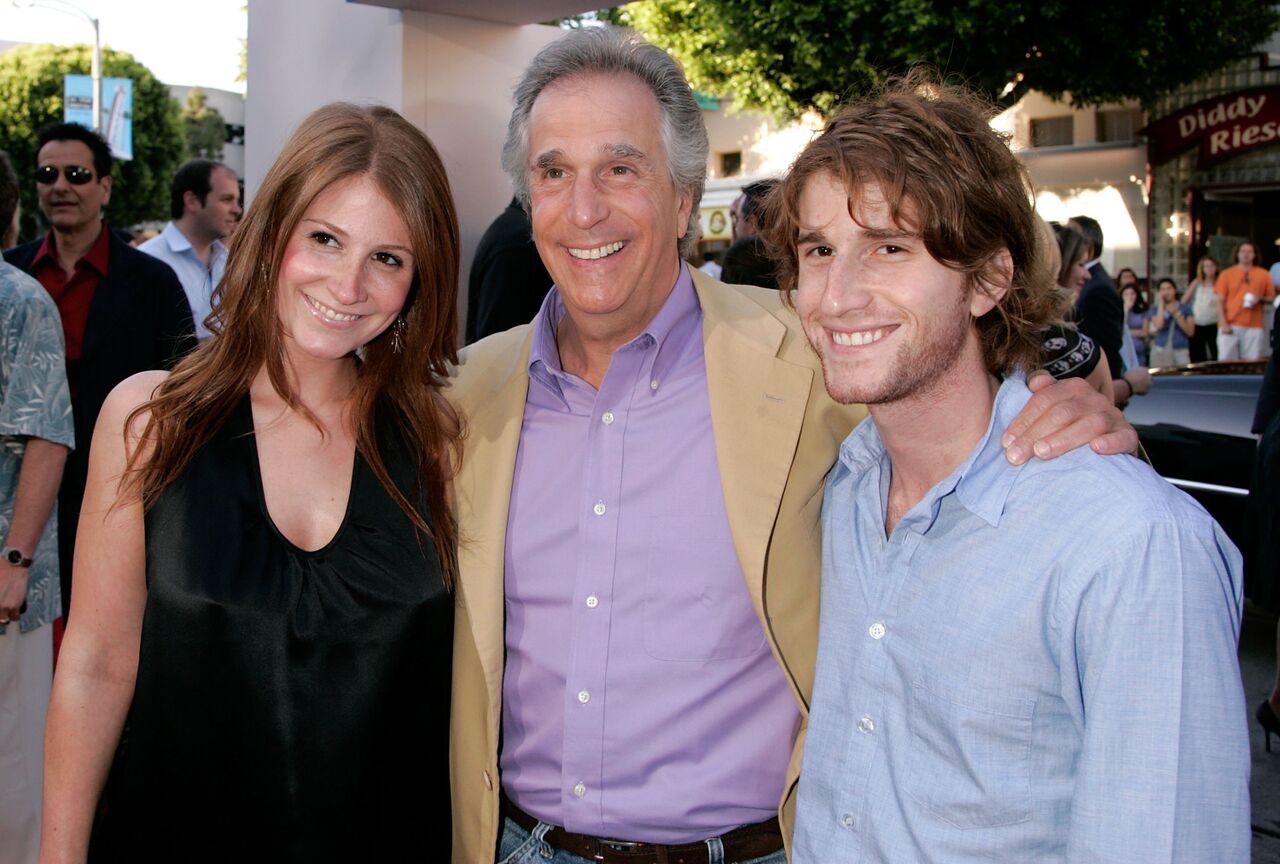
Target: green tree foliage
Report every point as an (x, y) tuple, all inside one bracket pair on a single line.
[(784, 56), (205, 128), (31, 97)]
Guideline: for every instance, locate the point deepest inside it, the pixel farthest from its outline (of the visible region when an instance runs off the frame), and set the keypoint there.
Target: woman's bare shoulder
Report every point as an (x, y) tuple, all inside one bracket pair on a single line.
[(127, 396)]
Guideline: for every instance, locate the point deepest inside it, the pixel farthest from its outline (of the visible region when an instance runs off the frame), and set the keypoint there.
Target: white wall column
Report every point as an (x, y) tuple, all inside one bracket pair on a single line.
[(458, 77), (307, 53)]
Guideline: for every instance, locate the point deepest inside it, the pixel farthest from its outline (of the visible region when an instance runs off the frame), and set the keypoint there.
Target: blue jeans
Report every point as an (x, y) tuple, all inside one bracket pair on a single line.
[(518, 846)]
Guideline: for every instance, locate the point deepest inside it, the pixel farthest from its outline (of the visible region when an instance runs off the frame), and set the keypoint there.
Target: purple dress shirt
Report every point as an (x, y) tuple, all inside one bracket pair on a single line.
[(640, 698)]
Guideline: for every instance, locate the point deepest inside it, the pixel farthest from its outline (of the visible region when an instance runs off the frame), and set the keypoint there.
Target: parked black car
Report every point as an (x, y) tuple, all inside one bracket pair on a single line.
[(1195, 426)]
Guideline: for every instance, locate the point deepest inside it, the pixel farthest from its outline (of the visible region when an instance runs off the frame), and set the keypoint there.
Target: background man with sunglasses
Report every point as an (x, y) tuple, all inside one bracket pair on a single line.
[(122, 310)]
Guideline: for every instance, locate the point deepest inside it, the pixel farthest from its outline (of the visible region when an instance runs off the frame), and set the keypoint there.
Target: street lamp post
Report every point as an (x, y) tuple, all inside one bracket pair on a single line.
[(95, 70)]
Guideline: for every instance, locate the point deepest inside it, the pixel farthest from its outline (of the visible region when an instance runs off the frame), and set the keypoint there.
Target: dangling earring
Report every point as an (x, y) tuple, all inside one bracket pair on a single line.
[(397, 335)]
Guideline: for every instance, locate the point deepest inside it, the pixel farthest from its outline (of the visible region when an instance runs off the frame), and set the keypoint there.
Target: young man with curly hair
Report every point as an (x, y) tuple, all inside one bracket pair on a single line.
[(1016, 662)]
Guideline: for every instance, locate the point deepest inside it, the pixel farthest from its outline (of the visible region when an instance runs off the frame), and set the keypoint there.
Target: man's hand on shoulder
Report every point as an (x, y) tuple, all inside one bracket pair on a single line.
[(1064, 415)]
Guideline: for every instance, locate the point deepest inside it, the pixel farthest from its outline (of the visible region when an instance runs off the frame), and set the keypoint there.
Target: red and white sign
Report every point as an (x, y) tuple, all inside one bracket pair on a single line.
[(1223, 127)]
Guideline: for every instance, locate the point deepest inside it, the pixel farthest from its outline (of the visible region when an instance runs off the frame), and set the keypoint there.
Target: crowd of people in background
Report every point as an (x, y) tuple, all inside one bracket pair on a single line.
[(1218, 315), (347, 591)]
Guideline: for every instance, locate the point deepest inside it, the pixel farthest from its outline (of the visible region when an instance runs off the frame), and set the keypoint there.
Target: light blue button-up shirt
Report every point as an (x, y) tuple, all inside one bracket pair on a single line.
[(198, 279), (1038, 664)]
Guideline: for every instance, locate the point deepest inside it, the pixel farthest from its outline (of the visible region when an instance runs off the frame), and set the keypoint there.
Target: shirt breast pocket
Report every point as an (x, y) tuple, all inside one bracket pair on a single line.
[(696, 604), (970, 758)]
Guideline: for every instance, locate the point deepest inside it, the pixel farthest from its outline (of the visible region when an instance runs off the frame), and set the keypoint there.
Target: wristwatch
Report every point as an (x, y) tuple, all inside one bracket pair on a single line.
[(15, 557)]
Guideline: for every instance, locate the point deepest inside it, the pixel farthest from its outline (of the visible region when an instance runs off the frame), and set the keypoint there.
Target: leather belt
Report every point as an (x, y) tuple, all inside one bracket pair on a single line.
[(740, 844)]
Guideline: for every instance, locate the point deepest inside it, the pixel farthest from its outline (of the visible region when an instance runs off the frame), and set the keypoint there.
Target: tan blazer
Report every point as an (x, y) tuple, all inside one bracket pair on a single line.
[(776, 435)]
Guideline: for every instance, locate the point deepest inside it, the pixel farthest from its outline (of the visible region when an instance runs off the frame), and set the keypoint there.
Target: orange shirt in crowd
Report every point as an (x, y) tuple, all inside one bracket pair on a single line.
[(1235, 282)]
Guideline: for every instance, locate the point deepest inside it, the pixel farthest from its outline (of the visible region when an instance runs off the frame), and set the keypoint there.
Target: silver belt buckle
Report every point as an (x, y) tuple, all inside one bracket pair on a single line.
[(617, 846)]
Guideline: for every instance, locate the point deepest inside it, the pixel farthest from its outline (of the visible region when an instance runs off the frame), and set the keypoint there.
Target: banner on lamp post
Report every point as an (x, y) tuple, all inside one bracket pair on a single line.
[(117, 110)]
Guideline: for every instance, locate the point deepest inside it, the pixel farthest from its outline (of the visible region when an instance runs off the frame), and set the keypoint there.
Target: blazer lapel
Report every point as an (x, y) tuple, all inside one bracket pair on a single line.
[(483, 487), (757, 408)]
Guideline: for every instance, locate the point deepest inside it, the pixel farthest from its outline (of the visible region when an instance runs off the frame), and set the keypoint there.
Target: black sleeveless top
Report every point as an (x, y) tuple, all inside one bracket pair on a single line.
[(290, 705)]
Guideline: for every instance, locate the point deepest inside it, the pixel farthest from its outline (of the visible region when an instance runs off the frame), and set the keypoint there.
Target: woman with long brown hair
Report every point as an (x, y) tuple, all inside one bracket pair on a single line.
[(263, 623)]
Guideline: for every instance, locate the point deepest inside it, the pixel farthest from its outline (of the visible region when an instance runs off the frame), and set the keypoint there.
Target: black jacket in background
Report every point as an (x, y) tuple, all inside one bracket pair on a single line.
[(508, 279), (1099, 314), (1269, 392), (745, 263)]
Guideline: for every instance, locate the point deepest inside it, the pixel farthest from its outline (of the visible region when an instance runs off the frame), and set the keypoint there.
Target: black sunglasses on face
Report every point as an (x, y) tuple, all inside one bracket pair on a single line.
[(47, 175)]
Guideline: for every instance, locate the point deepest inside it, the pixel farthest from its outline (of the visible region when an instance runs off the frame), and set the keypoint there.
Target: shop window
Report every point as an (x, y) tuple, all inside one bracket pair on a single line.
[(1052, 132), (731, 164), (1119, 125)]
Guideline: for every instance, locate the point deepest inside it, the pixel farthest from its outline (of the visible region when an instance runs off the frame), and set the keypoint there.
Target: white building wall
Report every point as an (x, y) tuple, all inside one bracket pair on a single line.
[(767, 149), (1102, 180), (458, 77), (307, 53)]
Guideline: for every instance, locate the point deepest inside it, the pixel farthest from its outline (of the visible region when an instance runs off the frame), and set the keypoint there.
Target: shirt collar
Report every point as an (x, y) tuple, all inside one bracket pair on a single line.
[(98, 257), (984, 481), (981, 483), (176, 240), (46, 251), (178, 243), (679, 318)]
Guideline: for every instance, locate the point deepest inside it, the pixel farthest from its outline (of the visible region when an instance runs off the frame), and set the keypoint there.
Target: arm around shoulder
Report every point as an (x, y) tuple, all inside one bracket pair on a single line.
[(98, 662)]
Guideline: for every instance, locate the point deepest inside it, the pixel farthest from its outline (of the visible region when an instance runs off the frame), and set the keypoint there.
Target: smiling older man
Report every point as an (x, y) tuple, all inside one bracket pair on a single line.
[(639, 501)]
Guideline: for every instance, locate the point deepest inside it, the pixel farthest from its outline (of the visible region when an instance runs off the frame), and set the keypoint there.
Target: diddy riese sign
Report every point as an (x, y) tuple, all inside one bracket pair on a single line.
[(1222, 127)]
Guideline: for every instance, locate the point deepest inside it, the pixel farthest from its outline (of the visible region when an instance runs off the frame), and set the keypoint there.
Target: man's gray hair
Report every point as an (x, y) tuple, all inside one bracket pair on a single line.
[(616, 51)]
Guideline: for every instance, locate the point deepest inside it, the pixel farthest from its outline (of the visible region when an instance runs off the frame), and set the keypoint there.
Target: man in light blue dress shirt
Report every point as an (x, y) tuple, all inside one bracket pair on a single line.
[(204, 202), (1015, 663)]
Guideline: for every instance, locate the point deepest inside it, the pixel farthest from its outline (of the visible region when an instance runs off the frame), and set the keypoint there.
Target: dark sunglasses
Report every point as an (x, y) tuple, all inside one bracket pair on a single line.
[(47, 175)]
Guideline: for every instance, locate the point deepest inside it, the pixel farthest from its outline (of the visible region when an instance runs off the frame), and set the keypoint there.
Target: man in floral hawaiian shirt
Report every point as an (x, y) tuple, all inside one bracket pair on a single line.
[(35, 435)]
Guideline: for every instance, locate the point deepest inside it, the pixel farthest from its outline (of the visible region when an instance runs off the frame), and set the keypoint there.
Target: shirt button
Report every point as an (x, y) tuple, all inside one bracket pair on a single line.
[(866, 726), (653, 384), (580, 790), (584, 697), (876, 630), (607, 418), (593, 601), (847, 821), (598, 509)]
